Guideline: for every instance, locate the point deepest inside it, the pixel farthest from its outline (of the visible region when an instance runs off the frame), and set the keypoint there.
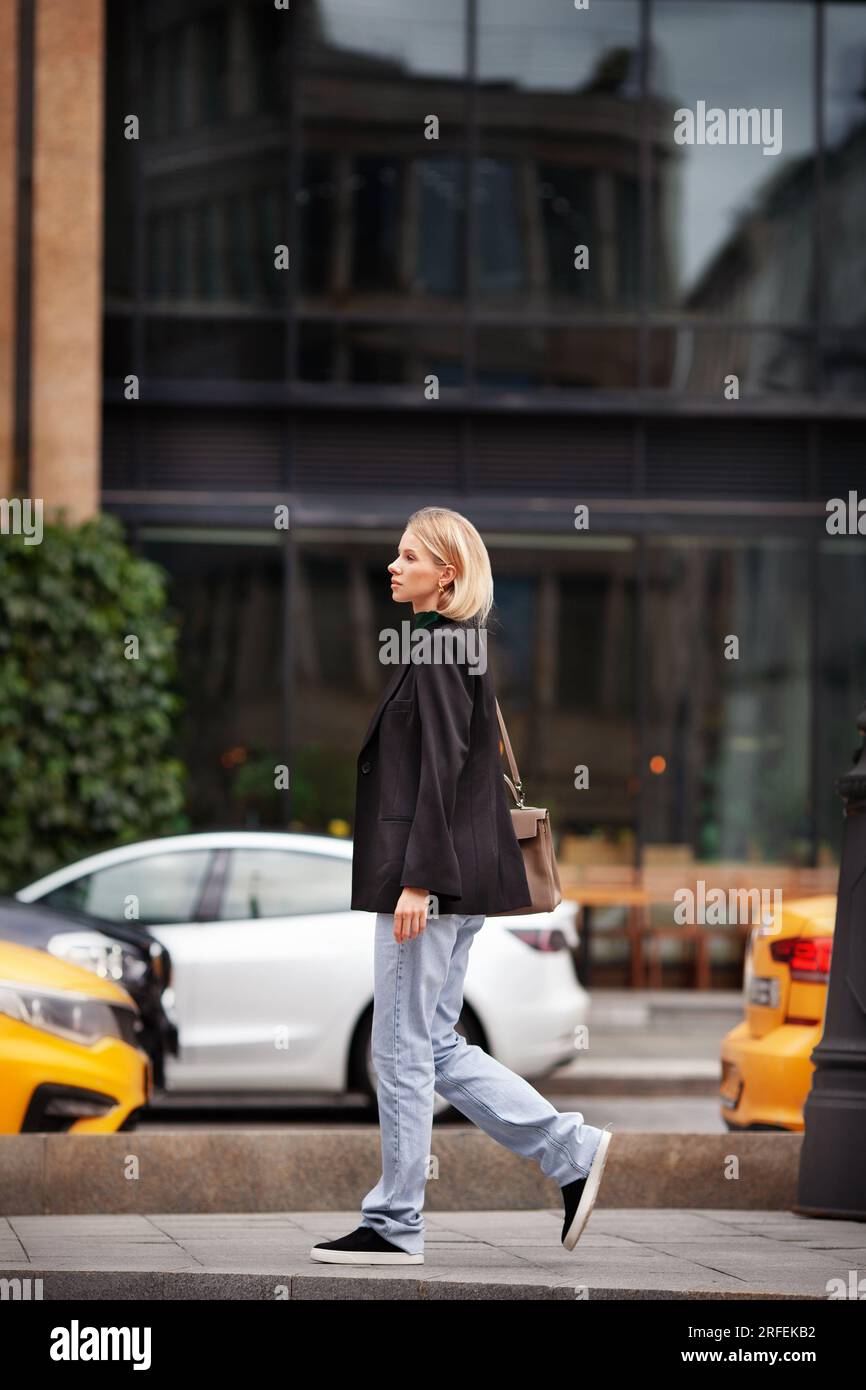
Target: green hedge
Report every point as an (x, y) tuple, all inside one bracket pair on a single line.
[(85, 730)]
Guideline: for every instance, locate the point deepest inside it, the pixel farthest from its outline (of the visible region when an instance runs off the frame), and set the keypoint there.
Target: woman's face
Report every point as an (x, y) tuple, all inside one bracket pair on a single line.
[(415, 574)]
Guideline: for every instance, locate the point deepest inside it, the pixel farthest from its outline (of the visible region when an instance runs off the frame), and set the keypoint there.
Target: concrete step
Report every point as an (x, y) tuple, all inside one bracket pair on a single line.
[(330, 1168), (634, 1076)]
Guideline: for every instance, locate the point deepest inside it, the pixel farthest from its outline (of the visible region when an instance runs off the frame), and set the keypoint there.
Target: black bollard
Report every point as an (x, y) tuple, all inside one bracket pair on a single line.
[(832, 1178)]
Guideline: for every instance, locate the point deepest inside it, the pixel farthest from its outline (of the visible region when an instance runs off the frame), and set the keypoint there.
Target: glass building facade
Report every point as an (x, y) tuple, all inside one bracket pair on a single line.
[(343, 261)]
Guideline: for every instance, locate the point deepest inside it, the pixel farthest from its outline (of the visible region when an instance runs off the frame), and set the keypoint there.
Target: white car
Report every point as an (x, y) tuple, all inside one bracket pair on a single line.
[(273, 971)]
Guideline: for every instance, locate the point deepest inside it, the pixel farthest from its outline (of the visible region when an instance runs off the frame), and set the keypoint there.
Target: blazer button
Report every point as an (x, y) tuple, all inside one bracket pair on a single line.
[(365, 767)]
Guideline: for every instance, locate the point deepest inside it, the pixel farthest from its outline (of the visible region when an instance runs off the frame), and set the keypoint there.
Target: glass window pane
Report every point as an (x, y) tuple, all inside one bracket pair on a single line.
[(728, 737), (323, 588), (209, 349), (558, 166), (596, 674), (595, 717), (218, 249), (383, 354), (382, 100), (378, 207), (158, 889), (116, 345), (844, 268), (208, 176), (284, 883), (213, 53), (121, 167), (732, 220), (841, 678), (843, 363), (701, 362), (511, 625), (512, 358), (227, 597), (500, 247), (440, 260)]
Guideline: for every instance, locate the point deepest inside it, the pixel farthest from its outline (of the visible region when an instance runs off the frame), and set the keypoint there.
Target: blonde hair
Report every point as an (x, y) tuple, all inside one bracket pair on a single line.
[(453, 540)]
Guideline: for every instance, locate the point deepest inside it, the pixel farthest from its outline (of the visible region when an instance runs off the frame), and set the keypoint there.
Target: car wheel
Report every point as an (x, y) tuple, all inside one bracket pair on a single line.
[(131, 1121), (368, 1080)]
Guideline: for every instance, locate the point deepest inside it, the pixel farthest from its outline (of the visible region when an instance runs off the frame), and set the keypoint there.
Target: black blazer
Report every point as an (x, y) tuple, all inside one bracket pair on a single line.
[(431, 807)]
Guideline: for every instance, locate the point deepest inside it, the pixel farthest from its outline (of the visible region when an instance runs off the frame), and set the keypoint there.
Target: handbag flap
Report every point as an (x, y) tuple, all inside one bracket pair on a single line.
[(525, 820)]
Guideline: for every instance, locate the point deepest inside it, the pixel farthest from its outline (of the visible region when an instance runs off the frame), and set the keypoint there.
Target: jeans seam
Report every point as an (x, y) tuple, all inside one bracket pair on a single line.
[(513, 1123), (396, 1050)]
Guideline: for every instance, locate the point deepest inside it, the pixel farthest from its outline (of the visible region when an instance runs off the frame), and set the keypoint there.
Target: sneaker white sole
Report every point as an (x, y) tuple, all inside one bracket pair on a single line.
[(587, 1201), (363, 1257)]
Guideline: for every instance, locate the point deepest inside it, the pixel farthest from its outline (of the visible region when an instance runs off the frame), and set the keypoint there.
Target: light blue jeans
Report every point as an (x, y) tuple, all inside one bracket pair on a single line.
[(417, 999)]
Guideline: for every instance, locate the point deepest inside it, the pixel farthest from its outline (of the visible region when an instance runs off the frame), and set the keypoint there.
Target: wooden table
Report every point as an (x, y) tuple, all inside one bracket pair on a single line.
[(588, 896)]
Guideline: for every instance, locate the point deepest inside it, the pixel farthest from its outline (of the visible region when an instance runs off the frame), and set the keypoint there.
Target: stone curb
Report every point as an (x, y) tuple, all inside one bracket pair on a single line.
[(325, 1170), (127, 1285)]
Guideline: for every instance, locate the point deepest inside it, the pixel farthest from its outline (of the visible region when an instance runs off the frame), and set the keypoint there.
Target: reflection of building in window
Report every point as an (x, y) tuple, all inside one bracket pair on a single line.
[(381, 212)]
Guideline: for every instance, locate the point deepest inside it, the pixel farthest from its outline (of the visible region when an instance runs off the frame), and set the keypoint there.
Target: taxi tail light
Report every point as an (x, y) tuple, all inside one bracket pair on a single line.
[(807, 957)]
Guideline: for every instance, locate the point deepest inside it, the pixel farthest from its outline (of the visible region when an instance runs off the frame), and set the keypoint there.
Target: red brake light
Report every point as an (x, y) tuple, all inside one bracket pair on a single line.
[(807, 956)]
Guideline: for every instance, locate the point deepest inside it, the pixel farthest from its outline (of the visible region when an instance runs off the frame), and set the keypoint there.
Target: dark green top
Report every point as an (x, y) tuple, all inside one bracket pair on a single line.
[(426, 618)]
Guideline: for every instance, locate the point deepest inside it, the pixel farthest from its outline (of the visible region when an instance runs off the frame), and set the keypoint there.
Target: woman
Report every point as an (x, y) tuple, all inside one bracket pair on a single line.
[(433, 827)]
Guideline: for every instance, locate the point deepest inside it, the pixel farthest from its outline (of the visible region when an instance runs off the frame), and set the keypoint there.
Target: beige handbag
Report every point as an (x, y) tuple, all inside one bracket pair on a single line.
[(532, 828)]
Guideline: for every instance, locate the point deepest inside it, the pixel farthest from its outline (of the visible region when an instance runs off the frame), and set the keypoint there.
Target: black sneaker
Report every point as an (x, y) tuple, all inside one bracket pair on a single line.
[(579, 1196), (363, 1247)]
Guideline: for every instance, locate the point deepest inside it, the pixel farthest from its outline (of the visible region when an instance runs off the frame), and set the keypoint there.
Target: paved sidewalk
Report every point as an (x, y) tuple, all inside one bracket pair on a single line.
[(623, 1254)]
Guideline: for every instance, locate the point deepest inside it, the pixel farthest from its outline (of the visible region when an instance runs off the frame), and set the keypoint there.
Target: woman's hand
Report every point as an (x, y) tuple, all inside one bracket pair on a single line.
[(410, 914)]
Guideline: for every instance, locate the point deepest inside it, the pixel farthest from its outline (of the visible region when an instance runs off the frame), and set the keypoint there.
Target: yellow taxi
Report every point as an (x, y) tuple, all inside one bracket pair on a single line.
[(766, 1060), (69, 1054)]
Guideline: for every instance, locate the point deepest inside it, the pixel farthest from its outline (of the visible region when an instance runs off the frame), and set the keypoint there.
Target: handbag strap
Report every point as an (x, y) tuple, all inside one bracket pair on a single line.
[(517, 786)]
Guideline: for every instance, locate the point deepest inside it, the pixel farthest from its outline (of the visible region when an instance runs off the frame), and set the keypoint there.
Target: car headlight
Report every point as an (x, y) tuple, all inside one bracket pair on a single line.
[(160, 962), (169, 1004), (111, 960), (77, 1017)]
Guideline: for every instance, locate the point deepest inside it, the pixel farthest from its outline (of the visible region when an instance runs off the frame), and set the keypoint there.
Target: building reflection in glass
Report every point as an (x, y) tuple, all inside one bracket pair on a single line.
[(410, 256)]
